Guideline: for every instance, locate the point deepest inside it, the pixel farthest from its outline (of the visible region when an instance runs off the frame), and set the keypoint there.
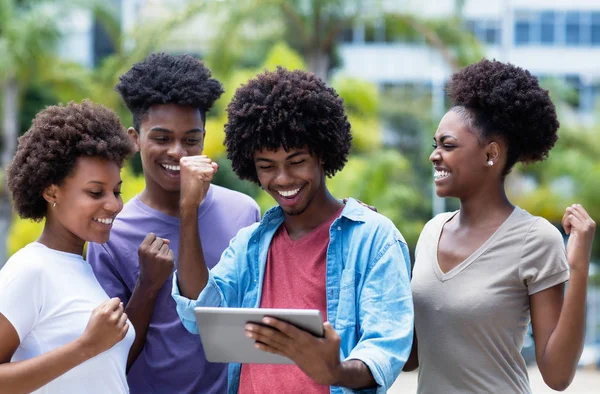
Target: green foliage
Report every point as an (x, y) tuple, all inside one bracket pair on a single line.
[(282, 55)]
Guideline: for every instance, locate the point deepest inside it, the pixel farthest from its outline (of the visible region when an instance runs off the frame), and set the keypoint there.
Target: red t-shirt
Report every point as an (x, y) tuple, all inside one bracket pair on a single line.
[(294, 278)]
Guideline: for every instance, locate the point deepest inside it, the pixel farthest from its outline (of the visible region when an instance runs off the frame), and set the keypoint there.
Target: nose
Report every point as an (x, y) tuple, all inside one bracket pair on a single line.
[(113, 204), (176, 151), (435, 156), (282, 178)]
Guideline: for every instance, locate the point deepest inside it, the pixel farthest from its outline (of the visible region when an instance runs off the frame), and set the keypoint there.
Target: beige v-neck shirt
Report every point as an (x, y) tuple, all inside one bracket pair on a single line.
[(471, 321)]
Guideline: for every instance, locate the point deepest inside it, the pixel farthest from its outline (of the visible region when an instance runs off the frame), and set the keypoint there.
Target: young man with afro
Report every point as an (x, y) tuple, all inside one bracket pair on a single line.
[(168, 97), (287, 131)]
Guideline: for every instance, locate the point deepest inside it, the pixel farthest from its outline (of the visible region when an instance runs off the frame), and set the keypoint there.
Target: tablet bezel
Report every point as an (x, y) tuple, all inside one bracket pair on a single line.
[(223, 336)]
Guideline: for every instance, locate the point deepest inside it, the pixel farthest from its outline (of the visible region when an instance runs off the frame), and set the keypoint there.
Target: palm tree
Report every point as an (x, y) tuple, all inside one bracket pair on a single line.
[(313, 28), (28, 31)]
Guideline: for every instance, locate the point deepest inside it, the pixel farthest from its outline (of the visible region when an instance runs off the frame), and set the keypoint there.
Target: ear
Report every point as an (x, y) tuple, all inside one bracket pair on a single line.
[(51, 193), (493, 152), (135, 138)]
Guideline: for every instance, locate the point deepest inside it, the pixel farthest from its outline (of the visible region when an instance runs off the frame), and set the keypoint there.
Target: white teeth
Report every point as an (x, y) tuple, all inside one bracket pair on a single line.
[(440, 174), (288, 193), (170, 167), (104, 221)]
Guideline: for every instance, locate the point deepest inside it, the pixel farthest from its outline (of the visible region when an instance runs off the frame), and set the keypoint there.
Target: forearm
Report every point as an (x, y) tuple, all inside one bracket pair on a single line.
[(192, 273), (354, 374), (565, 344), (413, 360), (139, 311), (29, 375)]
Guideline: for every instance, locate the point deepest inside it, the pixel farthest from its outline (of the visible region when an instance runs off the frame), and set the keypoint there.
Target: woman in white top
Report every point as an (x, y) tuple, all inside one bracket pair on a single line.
[(60, 332), (484, 272)]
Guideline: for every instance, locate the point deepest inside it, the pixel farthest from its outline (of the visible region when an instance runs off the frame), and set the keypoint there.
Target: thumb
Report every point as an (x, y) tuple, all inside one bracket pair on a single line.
[(328, 331)]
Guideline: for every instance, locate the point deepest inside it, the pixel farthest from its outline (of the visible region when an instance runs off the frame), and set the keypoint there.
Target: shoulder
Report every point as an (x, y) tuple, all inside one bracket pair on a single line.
[(539, 230), (370, 223), (232, 198), (31, 259)]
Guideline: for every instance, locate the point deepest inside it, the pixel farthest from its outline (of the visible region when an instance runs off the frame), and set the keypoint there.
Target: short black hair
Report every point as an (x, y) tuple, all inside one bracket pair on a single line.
[(289, 110), (47, 153), (162, 78), (504, 100)]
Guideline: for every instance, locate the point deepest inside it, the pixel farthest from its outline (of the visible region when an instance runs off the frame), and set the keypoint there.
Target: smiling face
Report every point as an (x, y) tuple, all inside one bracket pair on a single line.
[(167, 133), (87, 201), (460, 159), (292, 178)]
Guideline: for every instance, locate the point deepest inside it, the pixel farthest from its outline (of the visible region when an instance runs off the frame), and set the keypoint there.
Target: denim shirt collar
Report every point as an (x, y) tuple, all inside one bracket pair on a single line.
[(353, 211)]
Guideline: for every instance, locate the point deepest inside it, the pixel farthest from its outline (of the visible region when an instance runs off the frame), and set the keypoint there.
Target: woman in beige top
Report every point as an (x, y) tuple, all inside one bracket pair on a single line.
[(484, 272)]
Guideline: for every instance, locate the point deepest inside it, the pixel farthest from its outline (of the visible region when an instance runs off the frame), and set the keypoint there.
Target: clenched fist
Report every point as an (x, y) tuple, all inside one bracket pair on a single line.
[(107, 326), (156, 261), (196, 174), (581, 229)]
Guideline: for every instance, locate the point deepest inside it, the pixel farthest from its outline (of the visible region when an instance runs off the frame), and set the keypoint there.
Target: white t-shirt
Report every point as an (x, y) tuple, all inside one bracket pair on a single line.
[(470, 321), (48, 296)]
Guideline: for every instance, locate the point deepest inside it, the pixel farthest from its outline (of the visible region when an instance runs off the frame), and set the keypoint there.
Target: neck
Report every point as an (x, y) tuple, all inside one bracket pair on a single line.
[(56, 237), (160, 199), (485, 206), (322, 206)]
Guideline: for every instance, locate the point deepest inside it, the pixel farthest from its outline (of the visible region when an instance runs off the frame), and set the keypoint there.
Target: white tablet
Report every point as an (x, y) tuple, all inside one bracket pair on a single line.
[(223, 335)]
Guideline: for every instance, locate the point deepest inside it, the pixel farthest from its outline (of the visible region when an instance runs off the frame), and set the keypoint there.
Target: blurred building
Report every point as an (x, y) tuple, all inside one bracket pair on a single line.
[(84, 37), (551, 38)]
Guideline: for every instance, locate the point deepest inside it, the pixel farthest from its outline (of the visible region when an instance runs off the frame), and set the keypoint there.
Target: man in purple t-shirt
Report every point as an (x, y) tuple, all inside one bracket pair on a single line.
[(168, 97)]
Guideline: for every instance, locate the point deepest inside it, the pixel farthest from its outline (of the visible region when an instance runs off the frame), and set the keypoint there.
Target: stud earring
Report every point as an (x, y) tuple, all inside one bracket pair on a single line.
[(490, 163), (54, 204)]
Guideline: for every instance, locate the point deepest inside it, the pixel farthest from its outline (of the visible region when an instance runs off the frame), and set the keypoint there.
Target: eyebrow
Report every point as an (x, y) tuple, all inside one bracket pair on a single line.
[(102, 183), (293, 155), (444, 137), (163, 130)]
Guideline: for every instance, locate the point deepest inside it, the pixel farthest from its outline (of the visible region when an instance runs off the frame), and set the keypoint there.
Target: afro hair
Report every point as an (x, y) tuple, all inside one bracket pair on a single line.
[(506, 101), (167, 79), (289, 110), (48, 152)]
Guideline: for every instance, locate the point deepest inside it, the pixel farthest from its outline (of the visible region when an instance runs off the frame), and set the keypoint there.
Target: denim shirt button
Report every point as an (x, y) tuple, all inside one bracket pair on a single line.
[(339, 228)]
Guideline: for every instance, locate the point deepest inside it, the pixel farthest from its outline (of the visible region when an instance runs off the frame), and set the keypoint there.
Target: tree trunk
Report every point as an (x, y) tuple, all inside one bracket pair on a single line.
[(318, 63), (10, 133)]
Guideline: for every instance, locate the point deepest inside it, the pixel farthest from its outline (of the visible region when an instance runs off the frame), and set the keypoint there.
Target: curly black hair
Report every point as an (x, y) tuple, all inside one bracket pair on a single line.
[(162, 78), (47, 152), (290, 110), (506, 101)]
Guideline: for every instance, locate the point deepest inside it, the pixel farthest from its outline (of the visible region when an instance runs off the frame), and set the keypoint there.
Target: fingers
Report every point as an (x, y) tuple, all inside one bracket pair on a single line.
[(283, 327), (112, 304), (576, 216), (201, 165), (266, 336), (148, 240), (164, 249)]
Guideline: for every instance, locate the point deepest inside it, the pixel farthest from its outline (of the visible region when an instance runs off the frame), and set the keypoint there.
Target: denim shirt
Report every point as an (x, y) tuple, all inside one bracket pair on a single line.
[(369, 300)]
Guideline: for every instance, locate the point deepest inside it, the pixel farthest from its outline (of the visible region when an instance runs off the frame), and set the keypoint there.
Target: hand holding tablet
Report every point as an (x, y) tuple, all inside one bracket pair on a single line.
[(223, 332)]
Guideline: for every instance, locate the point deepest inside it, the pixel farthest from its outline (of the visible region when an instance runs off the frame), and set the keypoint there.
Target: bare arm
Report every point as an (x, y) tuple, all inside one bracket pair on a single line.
[(413, 360), (107, 326), (196, 174), (559, 324), (156, 266)]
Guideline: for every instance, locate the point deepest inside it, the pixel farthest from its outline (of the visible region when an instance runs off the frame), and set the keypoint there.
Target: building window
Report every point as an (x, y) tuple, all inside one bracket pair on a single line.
[(547, 28), (524, 22), (595, 29), (487, 31), (573, 28)]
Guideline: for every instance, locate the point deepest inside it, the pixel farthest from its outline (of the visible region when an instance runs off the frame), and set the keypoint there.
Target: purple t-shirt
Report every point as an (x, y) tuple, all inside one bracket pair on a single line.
[(172, 360)]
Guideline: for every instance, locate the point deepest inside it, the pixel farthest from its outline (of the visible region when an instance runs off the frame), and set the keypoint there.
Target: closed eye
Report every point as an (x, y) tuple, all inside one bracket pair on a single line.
[(297, 162)]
